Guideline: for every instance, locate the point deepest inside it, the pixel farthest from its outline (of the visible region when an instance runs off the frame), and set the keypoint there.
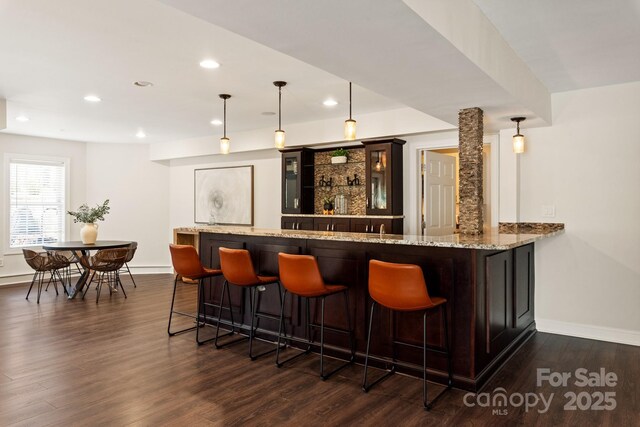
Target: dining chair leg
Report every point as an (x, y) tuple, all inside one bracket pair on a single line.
[(119, 282), (99, 286), (40, 284), (86, 288), (35, 275), (130, 275)]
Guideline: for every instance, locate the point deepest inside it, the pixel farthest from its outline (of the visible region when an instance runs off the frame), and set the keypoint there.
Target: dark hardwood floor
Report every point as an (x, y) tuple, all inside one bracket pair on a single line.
[(81, 363)]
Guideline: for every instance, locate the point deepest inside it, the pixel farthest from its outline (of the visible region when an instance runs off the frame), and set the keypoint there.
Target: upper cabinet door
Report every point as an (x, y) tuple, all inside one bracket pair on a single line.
[(379, 170), (384, 176), (297, 181), (291, 182)]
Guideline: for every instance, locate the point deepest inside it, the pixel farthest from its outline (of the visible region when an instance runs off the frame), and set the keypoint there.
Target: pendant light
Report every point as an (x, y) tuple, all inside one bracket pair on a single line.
[(279, 136), (518, 139), (224, 141), (350, 124)]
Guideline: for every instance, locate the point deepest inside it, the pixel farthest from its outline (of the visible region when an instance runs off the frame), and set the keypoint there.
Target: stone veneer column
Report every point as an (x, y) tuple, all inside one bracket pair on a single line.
[(471, 201)]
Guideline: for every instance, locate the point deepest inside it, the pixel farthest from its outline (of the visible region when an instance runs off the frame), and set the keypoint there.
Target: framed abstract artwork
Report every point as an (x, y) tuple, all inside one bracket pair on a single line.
[(224, 195)]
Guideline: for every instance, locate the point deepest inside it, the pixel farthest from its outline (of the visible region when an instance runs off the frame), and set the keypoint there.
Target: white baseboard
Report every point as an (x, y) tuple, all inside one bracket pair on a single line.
[(12, 279), (151, 269), (600, 333)]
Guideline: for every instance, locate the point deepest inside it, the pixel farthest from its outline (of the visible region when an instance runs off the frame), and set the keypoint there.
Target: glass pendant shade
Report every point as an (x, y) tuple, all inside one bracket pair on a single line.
[(224, 145), (518, 138), (518, 143), (279, 135), (279, 139), (350, 129)]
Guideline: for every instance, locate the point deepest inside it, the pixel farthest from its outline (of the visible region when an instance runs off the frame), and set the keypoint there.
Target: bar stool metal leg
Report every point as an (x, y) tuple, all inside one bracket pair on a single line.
[(366, 387), (254, 315), (173, 299), (429, 405), (350, 332), (308, 331), (225, 288)]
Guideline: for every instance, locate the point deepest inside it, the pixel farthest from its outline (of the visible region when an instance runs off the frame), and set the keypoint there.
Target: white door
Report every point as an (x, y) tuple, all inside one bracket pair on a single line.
[(439, 175)]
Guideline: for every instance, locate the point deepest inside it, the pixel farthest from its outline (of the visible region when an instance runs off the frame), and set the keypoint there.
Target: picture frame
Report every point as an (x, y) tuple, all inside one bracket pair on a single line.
[(224, 195)]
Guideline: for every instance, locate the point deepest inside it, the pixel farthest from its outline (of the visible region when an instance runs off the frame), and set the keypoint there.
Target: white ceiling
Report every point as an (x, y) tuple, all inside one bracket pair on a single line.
[(572, 44), (53, 53)]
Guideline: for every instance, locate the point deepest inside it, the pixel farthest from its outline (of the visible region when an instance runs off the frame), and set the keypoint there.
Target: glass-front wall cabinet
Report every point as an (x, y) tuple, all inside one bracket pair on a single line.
[(291, 195), (378, 185), (297, 181), (384, 176)]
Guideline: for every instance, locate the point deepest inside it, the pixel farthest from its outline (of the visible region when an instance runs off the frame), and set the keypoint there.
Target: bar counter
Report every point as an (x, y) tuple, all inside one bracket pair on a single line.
[(488, 280)]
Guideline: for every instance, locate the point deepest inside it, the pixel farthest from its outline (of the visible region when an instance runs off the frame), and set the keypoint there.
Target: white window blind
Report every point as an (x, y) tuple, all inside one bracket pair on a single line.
[(36, 202)]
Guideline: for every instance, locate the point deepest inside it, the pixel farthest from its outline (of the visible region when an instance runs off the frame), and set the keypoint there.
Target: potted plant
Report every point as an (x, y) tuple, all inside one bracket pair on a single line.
[(339, 156), (89, 216), (327, 204)]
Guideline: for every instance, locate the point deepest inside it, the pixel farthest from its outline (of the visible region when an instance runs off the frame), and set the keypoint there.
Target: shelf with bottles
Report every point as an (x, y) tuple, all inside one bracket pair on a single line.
[(340, 164)]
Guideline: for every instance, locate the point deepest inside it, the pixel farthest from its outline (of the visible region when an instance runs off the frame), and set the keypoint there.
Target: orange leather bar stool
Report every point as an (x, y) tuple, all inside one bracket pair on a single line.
[(186, 263), (401, 287), (300, 275), (238, 270)]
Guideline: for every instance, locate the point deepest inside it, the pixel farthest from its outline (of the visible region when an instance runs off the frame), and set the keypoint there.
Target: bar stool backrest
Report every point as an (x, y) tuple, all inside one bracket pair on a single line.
[(237, 266), (398, 286), (186, 261), (300, 274)]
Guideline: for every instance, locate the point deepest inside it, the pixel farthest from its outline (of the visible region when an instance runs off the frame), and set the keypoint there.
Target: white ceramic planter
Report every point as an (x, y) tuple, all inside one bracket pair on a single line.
[(339, 159), (89, 233)]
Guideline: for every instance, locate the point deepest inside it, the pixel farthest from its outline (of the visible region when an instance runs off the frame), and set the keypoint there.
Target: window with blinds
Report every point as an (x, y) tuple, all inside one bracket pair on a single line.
[(36, 202)]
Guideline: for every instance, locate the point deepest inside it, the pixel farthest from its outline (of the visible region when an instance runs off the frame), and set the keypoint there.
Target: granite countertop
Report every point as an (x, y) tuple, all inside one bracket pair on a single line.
[(493, 240)]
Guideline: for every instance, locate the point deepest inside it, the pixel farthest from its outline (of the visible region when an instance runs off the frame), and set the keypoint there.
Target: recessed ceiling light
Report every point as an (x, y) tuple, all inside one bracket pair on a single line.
[(22, 118), (330, 103), (268, 113), (141, 134), (142, 83), (209, 63), (92, 98), (216, 122)]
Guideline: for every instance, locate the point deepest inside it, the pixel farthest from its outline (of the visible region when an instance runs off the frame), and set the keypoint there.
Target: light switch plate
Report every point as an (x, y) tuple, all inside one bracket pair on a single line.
[(549, 211)]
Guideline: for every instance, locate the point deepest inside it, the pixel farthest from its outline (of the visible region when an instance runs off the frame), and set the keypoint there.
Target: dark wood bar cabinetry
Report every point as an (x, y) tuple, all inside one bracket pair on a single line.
[(490, 297), (369, 185), (361, 224)]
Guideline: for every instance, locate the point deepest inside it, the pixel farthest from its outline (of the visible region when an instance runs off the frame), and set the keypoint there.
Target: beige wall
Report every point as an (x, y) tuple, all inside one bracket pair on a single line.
[(266, 178), (586, 165), (138, 192), (13, 263), (123, 173)]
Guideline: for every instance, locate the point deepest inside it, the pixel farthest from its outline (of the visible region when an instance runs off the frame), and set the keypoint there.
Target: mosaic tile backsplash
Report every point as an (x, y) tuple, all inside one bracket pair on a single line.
[(337, 174)]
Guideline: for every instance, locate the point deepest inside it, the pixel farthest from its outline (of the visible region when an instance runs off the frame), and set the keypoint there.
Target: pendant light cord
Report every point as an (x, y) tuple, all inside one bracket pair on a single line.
[(225, 119), (349, 100), (279, 107)]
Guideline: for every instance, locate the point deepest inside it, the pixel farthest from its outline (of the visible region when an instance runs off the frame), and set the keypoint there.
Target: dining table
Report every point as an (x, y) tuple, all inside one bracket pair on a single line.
[(83, 249)]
